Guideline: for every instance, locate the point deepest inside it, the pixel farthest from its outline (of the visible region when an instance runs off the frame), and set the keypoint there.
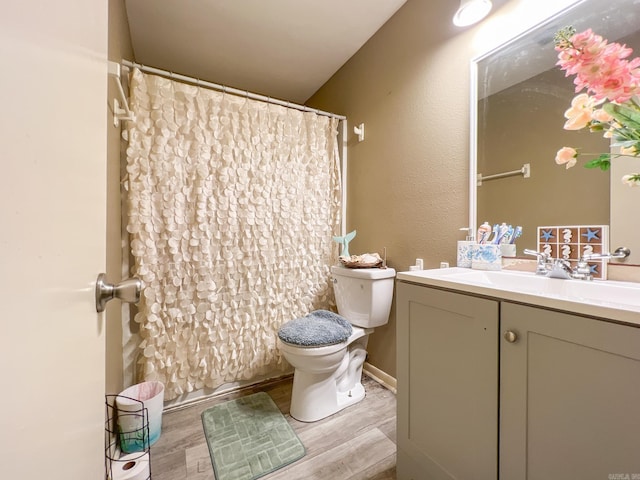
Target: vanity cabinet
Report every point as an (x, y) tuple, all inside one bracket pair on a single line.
[(569, 396), (492, 389), (447, 385)]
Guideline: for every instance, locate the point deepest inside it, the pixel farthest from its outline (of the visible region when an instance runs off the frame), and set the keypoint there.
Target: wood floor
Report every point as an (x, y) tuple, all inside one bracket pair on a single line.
[(358, 443)]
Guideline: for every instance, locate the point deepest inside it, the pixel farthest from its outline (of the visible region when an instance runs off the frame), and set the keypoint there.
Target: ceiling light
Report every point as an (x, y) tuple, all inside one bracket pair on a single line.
[(471, 11)]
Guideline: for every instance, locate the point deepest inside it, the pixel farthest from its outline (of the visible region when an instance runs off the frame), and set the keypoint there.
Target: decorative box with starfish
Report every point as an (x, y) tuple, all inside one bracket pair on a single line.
[(571, 242)]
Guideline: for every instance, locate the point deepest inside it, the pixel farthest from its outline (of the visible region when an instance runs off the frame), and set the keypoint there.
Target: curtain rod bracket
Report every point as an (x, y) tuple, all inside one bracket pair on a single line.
[(121, 111), (359, 131)]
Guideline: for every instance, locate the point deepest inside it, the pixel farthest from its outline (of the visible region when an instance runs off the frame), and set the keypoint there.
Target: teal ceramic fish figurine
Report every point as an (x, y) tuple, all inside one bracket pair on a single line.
[(344, 241)]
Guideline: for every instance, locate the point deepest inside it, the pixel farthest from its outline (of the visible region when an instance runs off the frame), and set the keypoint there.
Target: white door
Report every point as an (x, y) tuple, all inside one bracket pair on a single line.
[(53, 112)]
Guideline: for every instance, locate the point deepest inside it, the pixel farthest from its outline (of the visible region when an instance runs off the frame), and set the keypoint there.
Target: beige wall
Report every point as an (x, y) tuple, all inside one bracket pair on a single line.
[(408, 181), (119, 47)]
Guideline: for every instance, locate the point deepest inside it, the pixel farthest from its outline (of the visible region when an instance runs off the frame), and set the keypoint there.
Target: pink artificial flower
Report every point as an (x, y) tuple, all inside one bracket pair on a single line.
[(630, 151), (581, 52), (632, 180), (580, 113), (568, 156), (601, 116), (600, 67)]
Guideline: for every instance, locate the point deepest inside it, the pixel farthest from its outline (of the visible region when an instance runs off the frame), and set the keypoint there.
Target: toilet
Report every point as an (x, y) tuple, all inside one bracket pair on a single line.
[(327, 350)]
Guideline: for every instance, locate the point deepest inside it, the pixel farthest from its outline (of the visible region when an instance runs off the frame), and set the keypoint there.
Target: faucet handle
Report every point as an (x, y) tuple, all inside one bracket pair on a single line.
[(543, 259), (536, 253), (583, 270), (620, 252)]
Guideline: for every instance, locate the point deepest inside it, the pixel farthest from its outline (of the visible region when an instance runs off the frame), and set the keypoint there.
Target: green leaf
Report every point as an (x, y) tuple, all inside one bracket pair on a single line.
[(603, 162), (627, 116), (625, 143)]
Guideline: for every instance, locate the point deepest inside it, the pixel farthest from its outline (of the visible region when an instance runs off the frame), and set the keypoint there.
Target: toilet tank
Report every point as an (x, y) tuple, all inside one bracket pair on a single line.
[(363, 295)]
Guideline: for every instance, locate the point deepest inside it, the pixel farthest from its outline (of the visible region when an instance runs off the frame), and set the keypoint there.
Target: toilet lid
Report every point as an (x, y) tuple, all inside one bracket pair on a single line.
[(317, 329)]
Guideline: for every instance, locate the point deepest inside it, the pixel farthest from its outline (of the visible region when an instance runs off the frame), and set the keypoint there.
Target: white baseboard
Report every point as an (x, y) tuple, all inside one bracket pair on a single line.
[(381, 377)]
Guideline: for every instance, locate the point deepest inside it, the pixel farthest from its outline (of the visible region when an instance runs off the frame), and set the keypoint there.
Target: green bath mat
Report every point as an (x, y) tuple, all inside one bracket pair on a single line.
[(248, 438)]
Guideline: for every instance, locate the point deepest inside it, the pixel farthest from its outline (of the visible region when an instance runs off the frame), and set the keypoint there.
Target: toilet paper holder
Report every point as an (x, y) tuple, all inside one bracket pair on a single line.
[(127, 290)]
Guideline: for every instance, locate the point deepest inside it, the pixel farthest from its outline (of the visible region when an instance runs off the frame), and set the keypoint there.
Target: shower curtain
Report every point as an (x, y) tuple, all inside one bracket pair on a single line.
[(232, 205)]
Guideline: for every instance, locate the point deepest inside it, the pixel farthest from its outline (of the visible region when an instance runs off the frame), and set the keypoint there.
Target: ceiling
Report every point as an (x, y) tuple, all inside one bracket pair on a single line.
[(285, 49)]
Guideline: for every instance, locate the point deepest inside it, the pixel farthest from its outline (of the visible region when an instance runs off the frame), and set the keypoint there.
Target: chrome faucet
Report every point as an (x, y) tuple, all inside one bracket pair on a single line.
[(551, 267), (561, 268)]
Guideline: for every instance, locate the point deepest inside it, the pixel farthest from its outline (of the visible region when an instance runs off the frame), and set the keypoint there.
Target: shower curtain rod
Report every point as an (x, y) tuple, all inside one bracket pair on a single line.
[(225, 89)]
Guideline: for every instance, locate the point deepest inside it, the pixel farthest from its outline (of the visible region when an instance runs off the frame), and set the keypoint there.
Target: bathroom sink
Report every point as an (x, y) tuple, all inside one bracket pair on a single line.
[(610, 299), (517, 281), (616, 294)]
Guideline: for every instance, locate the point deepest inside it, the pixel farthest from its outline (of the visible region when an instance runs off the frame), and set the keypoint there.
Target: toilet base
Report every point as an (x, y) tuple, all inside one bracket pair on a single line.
[(356, 394), (317, 395), (313, 404)]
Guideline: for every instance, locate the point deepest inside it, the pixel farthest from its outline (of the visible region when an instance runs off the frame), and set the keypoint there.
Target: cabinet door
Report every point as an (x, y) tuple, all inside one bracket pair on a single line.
[(569, 397), (447, 385)]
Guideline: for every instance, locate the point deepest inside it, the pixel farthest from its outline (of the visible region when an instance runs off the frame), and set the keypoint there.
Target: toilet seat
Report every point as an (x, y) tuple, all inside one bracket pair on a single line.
[(311, 351)]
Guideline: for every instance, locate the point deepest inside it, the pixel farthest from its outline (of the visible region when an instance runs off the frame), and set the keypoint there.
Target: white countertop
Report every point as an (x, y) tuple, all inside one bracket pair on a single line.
[(617, 301)]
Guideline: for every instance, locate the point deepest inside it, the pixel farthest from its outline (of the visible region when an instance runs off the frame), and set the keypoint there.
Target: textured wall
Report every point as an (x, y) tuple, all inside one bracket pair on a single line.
[(408, 181)]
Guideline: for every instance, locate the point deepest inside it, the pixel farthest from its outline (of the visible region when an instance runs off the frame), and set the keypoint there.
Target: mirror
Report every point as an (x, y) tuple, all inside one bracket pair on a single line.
[(518, 106)]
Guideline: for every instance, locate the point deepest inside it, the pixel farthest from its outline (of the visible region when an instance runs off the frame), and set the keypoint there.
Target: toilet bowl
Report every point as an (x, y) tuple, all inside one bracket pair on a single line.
[(328, 372)]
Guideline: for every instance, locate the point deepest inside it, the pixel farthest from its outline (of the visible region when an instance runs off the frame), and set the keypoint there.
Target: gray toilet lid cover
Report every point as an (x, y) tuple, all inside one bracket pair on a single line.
[(319, 328)]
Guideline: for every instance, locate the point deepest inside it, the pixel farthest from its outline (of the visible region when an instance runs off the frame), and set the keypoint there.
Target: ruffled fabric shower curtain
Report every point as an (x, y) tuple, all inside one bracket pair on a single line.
[(232, 206)]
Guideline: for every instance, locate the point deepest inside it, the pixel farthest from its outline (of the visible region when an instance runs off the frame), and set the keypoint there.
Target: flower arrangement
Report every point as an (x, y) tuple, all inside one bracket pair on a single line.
[(610, 103)]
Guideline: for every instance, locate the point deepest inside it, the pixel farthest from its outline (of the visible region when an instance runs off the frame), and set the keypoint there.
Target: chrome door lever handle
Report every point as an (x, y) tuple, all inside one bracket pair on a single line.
[(127, 291)]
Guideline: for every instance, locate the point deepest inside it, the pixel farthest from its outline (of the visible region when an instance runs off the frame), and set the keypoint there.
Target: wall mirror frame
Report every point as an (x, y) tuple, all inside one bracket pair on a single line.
[(517, 100)]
